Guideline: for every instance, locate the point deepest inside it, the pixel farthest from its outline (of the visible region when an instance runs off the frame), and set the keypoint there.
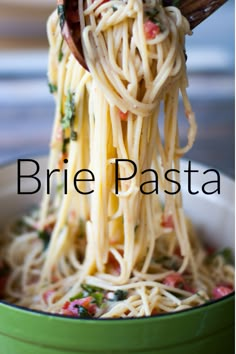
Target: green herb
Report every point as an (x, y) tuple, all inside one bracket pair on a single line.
[(73, 136), (151, 13), (83, 312), (60, 54), (65, 142), (226, 253), (80, 295), (52, 87), (90, 289), (61, 14), (120, 295), (68, 118), (45, 237), (96, 293), (98, 298), (169, 262), (114, 8)]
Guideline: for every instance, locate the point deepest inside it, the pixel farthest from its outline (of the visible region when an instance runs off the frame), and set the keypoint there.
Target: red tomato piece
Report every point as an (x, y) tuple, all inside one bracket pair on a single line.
[(103, 2), (46, 295), (151, 29), (113, 266), (167, 221), (188, 288), (123, 115), (70, 308), (221, 290), (175, 280)]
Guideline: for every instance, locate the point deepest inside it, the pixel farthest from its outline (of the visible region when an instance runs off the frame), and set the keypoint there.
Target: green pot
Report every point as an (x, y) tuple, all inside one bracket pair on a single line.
[(207, 329), (204, 330)]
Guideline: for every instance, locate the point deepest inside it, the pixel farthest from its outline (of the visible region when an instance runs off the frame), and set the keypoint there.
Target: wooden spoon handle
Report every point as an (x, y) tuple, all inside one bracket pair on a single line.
[(197, 11)]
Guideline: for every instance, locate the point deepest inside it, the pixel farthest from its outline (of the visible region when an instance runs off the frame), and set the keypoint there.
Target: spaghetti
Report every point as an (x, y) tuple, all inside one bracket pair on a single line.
[(104, 254)]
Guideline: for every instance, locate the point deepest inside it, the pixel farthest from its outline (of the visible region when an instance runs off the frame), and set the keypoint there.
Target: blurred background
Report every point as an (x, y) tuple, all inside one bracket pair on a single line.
[(27, 108)]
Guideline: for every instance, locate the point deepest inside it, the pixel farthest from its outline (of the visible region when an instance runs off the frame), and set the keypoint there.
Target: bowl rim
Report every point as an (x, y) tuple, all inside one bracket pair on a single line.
[(160, 316), (26, 310)]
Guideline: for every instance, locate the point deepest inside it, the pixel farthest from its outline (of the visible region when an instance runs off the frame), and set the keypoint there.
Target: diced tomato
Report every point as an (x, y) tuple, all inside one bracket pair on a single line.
[(70, 308), (177, 251), (190, 289), (210, 250), (221, 290), (66, 305), (47, 294), (103, 2), (113, 266), (151, 29), (174, 279), (167, 221), (154, 312), (61, 160), (123, 115)]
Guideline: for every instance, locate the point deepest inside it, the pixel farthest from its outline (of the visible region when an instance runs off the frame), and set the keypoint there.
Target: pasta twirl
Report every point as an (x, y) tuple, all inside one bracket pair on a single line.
[(98, 253)]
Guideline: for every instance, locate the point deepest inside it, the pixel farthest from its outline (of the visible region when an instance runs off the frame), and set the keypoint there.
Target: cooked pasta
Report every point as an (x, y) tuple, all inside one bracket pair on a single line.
[(101, 252)]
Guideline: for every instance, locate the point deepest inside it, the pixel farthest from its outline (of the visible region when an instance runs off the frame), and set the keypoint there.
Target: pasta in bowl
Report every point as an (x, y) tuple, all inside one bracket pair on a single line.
[(208, 327), (111, 239)]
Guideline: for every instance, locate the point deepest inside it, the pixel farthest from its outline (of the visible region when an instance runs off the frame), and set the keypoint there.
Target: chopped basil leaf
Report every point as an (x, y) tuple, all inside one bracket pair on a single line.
[(45, 237), (61, 14), (83, 312), (169, 262), (65, 142), (120, 295), (90, 289), (151, 12), (226, 253), (73, 136), (52, 87), (67, 120), (60, 54), (80, 295), (98, 298), (114, 8)]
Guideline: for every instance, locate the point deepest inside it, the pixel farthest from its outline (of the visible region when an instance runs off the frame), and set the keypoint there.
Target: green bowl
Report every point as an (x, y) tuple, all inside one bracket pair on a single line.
[(203, 330), (207, 329)]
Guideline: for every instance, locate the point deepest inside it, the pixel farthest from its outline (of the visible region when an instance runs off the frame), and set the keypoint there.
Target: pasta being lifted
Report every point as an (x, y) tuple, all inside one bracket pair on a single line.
[(108, 254)]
